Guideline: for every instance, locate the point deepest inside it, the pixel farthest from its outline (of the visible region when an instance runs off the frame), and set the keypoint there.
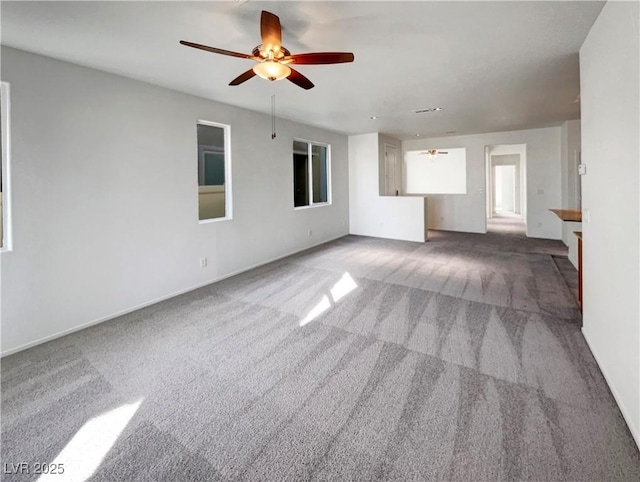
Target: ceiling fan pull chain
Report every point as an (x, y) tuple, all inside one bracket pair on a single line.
[(273, 116)]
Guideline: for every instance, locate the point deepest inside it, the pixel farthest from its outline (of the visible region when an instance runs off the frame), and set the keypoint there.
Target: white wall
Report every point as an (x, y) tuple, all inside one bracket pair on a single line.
[(370, 214), (570, 150), (610, 83), (106, 200), (467, 212), (443, 173)]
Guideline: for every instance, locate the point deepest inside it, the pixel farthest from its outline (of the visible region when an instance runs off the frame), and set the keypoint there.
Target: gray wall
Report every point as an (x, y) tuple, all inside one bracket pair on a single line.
[(105, 197)]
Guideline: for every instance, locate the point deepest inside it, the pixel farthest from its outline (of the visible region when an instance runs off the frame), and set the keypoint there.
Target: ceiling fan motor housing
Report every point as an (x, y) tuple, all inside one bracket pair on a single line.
[(260, 52)]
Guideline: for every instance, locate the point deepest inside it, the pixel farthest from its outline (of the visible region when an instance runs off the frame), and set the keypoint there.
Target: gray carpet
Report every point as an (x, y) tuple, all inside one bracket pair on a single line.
[(363, 359), (569, 273), (506, 222)]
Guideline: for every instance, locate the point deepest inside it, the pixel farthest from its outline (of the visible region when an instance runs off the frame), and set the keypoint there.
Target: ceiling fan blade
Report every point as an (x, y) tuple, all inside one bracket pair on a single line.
[(218, 51), (243, 77), (320, 58), (270, 31), (300, 80)]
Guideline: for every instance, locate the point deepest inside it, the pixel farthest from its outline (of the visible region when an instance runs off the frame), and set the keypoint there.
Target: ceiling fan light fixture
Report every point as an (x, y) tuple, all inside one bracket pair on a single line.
[(271, 70)]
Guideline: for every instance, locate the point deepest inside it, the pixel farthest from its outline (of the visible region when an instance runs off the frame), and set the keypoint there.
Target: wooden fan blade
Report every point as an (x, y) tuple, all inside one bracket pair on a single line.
[(320, 58), (243, 77), (218, 51), (300, 80), (270, 31)]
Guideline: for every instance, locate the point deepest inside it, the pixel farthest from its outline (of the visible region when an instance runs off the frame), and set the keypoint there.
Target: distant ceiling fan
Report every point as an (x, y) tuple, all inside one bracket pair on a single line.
[(433, 153), (273, 58)]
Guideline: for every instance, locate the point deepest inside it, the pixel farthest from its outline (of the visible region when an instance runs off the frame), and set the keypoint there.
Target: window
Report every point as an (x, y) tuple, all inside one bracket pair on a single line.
[(311, 174), (4, 165), (214, 171), (436, 174)]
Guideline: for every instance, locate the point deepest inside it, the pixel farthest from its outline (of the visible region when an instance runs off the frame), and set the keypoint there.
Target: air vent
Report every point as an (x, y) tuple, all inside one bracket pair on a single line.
[(425, 111)]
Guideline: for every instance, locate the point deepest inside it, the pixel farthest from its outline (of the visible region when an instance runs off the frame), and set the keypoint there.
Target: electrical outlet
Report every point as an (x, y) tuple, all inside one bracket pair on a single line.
[(203, 262), (310, 233)]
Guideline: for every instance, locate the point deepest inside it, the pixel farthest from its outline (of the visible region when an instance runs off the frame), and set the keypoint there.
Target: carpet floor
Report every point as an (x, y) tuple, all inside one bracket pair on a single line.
[(362, 359)]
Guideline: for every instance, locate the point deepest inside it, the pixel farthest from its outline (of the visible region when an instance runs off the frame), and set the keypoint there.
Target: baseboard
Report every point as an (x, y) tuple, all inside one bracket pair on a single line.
[(378, 236), (97, 321), (635, 433)]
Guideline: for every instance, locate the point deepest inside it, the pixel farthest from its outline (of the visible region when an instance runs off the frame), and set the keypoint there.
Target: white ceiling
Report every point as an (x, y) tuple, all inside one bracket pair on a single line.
[(492, 66)]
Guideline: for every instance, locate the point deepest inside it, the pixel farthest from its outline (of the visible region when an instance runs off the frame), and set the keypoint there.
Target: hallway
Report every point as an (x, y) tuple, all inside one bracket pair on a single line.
[(506, 223)]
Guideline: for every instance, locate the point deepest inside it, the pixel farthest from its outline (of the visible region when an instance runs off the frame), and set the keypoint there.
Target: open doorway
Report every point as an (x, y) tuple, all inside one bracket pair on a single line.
[(506, 188)]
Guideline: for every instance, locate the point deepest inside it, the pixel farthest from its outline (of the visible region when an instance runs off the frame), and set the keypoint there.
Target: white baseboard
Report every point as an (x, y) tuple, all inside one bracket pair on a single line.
[(111, 316), (634, 430)]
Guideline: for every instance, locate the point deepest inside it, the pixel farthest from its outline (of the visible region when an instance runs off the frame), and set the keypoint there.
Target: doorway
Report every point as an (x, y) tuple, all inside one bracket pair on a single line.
[(506, 188), (391, 171)]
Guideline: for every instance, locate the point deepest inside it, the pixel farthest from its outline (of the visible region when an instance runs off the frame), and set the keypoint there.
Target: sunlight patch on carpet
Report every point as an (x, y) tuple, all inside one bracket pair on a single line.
[(88, 447), (342, 288)]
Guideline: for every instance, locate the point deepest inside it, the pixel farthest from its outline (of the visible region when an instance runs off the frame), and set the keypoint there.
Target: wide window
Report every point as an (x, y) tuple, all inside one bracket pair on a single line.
[(214, 171), (4, 164), (311, 174)]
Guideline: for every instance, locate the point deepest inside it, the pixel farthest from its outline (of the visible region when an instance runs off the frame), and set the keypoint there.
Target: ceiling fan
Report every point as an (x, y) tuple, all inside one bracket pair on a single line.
[(273, 58), (433, 153)]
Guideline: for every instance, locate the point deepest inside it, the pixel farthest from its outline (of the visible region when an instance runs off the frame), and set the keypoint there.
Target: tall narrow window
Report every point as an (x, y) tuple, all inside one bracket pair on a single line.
[(214, 169), (311, 174), (4, 165)]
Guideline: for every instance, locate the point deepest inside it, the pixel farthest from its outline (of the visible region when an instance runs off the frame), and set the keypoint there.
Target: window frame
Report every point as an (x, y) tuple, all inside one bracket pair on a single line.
[(310, 145), (5, 119), (228, 203)]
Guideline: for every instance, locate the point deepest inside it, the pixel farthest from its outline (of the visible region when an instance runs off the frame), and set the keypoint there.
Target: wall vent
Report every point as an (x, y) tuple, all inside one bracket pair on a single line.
[(425, 111)]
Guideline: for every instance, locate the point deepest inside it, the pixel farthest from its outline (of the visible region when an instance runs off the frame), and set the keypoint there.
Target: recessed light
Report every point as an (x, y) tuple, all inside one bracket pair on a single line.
[(451, 132), (373, 117), (417, 135)]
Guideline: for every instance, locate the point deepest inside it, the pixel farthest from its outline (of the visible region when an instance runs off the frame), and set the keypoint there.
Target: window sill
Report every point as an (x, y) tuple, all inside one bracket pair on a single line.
[(214, 220), (316, 205)]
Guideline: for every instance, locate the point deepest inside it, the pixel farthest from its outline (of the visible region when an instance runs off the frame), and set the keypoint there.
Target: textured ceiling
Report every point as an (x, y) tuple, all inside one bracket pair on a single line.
[(491, 66)]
